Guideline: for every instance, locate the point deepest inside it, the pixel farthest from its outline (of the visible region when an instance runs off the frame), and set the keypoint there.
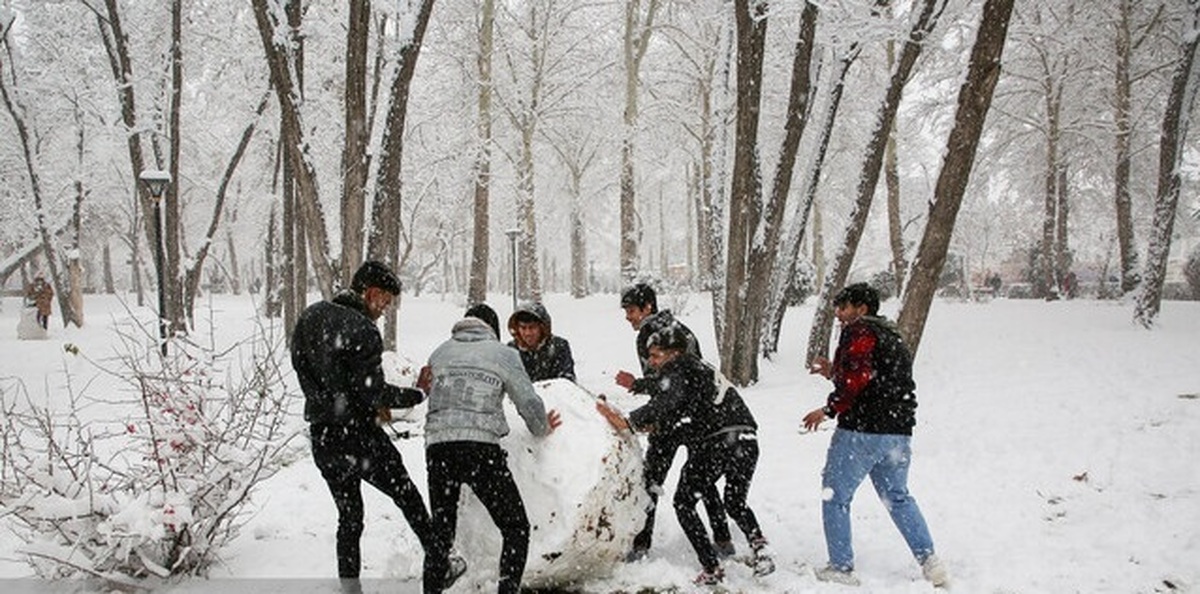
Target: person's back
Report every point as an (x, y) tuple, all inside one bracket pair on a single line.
[(471, 374), (335, 348)]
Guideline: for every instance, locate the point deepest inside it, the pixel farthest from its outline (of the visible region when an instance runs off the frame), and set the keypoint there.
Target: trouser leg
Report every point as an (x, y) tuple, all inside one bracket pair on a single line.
[(890, 478), (695, 474), (493, 484), (385, 471), (660, 453), (338, 460), (444, 487), (741, 459), (846, 465)]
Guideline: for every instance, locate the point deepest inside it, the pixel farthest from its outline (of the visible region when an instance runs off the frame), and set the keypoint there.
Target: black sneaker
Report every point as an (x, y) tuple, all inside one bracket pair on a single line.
[(457, 567), (724, 549), (710, 577), (636, 554)]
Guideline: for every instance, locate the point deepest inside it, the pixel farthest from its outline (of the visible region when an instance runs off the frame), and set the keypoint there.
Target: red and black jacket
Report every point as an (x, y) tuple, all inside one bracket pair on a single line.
[(872, 378)]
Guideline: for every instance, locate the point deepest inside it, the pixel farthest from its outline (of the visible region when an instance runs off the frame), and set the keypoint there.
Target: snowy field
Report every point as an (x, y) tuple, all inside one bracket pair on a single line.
[(1057, 450)]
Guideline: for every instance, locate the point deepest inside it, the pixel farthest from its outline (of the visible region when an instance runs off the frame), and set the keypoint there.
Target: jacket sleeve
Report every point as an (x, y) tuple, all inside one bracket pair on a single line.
[(852, 369), (524, 397), (659, 412), (565, 365), (397, 397), (365, 368)]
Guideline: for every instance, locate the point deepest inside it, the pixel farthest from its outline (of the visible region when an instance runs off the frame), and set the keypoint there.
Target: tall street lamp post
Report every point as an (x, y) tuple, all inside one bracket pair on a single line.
[(513, 234), (156, 182)]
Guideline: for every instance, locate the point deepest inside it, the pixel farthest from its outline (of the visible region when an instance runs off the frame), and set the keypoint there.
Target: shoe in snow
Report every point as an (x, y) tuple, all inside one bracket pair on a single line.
[(724, 549), (636, 554), (934, 571), (837, 575), (457, 567), (710, 577)]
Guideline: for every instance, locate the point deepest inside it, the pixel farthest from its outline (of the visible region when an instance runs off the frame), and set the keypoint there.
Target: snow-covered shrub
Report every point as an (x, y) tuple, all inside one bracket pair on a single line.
[(159, 493)]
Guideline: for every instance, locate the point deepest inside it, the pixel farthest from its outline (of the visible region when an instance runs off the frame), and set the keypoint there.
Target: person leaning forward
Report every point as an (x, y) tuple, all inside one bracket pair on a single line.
[(337, 354), (468, 377)]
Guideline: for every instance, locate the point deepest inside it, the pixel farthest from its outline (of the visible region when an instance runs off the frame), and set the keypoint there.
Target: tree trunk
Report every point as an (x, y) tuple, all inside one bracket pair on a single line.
[(788, 260), (1123, 119), (106, 268), (745, 196), (283, 59), (1049, 250), (818, 338), (636, 39), (384, 242), (481, 244), (974, 100), (1184, 85), (763, 252), (354, 151)]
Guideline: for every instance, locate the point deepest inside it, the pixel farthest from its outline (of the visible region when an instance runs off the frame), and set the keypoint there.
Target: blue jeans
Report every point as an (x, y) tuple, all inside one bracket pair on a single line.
[(885, 458)]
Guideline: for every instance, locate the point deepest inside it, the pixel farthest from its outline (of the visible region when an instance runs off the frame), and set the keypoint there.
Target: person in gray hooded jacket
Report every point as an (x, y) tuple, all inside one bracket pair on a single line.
[(468, 377)]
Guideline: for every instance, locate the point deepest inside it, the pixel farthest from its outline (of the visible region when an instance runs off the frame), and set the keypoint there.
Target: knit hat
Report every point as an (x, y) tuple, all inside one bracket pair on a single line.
[(484, 312), (375, 274)]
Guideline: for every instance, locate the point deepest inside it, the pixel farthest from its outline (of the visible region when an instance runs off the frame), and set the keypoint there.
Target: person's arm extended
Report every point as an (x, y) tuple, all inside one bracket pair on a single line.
[(525, 398)]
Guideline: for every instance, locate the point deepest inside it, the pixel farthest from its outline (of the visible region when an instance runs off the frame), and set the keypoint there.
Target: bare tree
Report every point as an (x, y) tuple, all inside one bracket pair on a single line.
[(638, 28), (384, 243), (477, 288), (1180, 103), (974, 100), (354, 150), (872, 161), (755, 252)]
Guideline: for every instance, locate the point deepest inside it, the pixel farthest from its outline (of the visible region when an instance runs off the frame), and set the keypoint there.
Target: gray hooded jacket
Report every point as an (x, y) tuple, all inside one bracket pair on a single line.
[(471, 374)]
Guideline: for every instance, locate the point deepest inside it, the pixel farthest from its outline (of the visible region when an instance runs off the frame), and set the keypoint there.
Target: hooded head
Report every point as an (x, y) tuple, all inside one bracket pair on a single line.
[(529, 325), (484, 312)]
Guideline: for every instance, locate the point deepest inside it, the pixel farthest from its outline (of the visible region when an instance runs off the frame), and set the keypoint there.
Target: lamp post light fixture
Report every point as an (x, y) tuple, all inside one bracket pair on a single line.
[(513, 234), (156, 182)]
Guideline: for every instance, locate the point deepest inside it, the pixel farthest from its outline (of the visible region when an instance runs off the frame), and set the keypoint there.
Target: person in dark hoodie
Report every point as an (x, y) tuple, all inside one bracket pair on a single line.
[(874, 402), (545, 355), (337, 353), (640, 303), (469, 376), (699, 406)]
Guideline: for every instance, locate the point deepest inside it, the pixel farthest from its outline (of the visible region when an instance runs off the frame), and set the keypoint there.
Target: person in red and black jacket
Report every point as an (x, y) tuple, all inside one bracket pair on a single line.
[(874, 402)]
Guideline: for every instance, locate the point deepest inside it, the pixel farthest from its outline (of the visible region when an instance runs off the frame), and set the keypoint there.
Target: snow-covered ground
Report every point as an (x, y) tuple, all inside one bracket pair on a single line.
[(1056, 451)]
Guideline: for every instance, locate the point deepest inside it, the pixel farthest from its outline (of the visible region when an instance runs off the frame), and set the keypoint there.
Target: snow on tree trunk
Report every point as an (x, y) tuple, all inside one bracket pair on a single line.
[(974, 100), (583, 493), (1174, 132)]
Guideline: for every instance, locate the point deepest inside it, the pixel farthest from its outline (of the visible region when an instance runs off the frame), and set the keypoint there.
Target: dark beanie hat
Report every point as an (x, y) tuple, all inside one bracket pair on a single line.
[(483, 312), (375, 274)]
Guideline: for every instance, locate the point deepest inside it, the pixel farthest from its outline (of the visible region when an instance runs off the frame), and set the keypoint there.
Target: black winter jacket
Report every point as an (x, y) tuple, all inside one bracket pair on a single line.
[(692, 404), (872, 378), (337, 354)]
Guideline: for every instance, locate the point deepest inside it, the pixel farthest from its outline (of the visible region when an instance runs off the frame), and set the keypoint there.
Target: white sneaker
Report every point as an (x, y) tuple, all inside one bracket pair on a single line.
[(934, 571), (833, 574)]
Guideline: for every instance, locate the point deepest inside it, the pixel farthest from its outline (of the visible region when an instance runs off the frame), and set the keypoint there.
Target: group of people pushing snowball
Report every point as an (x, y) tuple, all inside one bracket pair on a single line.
[(337, 355)]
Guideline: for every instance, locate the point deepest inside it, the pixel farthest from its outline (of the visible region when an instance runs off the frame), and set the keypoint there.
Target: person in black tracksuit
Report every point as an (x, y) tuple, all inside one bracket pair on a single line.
[(640, 303), (697, 405), (337, 355)]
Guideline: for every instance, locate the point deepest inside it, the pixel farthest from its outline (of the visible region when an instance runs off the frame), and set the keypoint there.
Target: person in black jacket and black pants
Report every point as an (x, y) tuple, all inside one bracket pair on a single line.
[(640, 303), (337, 354), (705, 413)]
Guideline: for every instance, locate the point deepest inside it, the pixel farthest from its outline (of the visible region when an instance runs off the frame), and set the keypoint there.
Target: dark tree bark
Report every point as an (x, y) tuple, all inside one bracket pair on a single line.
[(354, 151), (1184, 86), (822, 326), (481, 246), (384, 242), (974, 100), (636, 39)]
